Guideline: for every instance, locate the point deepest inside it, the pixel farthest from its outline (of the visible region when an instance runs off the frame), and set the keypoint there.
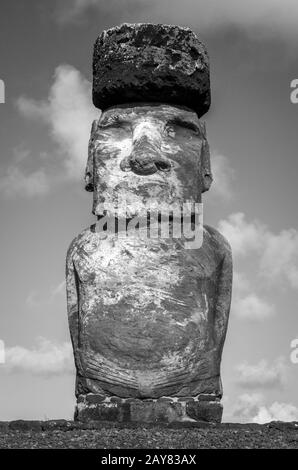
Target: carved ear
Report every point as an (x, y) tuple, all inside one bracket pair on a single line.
[(89, 172), (206, 166)]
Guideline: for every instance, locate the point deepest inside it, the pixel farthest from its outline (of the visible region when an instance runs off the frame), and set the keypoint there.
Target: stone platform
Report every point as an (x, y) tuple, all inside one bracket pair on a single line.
[(92, 407), (63, 434)]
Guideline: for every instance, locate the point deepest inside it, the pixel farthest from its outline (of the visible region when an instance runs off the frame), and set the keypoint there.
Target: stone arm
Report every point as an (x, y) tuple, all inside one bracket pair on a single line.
[(224, 294), (73, 307)]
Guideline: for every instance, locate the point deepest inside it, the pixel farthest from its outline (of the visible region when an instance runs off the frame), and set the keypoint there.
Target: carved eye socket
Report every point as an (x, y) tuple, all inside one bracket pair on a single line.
[(115, 123), (170, 130), (179, 127)]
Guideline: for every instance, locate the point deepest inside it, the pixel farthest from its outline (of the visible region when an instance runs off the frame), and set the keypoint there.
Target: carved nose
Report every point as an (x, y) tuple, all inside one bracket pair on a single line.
[(145, 164), (142, 165), (146, 158)]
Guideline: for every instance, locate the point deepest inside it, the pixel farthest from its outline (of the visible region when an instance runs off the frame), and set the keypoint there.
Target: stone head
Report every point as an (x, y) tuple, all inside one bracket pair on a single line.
[(149, 147)]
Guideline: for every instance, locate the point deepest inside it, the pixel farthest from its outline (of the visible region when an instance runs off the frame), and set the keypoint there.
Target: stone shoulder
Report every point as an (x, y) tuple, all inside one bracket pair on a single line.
[(220, 243), (80, 239)]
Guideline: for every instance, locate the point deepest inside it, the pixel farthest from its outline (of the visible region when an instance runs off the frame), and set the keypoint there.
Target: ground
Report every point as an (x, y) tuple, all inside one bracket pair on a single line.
[(68, 434)]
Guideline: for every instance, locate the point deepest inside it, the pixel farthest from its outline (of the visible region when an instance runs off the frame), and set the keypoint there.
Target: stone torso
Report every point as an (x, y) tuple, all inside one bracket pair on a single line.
[(147, 314)]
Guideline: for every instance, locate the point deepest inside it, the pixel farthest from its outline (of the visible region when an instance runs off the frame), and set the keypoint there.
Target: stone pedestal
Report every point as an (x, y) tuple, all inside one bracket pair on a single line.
[(92, 407)]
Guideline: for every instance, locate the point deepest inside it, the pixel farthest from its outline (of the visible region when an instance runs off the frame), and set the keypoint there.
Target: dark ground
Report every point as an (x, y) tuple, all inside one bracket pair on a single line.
[(68, 434)]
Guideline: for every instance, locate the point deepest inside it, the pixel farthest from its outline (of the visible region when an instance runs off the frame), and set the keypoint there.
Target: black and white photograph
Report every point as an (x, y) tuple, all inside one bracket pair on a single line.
[(149, 228)]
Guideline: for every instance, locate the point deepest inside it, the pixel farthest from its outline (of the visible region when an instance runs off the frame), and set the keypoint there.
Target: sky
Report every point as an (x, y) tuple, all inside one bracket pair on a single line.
[(45, 64)]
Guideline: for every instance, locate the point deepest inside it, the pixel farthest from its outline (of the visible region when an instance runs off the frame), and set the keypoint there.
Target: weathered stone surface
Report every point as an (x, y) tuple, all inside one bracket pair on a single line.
[(156, 412), (182, 435), (210, 411), (57, 424), (24, 425), (148, 314), (151, 157), (162, 410), (208, 397), (153, 315), (152, 332), (98, 412), (92, 398), (151, 63), (4, 426)]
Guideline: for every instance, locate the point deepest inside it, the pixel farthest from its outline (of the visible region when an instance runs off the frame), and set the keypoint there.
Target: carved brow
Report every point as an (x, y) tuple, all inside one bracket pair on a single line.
[(178, 121), (114, 119)]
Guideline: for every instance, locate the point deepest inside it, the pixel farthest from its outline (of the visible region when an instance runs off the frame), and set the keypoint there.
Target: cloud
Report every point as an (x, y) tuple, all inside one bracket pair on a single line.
[(46, 359), (20, 153), (223, 176), (72, 10), (259, 18), (280, 257), (32, 299), (262, 375), (277, 254), (246, 407), (276, 412), (252, 307), (246, 303), (244, 237), (251, 408), (59, 289), (275, 258), (68, 112), (16, 182), (35, 299)]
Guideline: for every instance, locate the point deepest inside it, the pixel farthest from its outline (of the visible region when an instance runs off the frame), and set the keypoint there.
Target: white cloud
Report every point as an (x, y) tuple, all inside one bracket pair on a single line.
[(280, 257), (32, 299), (258, 17), (244, 237), (47, 358), (251, 408), (276, 412), (223, 175), (277, 254), (59, 289), (68, 112), (252, 307), (72, 10), (28, 184), (246, 303), (245, 408), (262, 375), (20, 153)]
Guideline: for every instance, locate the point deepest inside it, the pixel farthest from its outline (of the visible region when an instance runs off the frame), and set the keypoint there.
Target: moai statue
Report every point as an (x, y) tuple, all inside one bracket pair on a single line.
[(148, 315)]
